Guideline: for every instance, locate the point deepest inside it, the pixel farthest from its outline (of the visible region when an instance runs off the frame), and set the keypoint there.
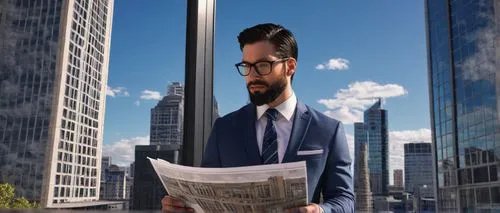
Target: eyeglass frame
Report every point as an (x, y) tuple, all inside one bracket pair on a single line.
[(254, 65)]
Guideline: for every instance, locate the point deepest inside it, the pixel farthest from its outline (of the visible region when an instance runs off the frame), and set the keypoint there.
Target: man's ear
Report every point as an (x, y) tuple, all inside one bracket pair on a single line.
[(292, 66)]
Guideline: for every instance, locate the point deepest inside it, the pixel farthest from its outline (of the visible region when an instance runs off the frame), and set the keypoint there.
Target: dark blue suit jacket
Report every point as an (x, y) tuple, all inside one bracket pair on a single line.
[(233, 143)]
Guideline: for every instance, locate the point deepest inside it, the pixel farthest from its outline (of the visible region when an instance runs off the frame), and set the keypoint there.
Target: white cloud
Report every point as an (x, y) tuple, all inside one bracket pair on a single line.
[(122, 151), (420, 135), (150, 95), (117, 91), (137, 103), (481, 62), (346, 115), (320, 67), (334, 64), (348, 104), (352, 102)]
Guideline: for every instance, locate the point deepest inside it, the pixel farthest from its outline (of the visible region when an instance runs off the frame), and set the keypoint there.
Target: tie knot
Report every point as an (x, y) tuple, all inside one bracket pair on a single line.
[(272, 114)]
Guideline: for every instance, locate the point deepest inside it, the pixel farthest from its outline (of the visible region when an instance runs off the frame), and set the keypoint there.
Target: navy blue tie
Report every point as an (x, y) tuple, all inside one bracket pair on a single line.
[(270, 142)]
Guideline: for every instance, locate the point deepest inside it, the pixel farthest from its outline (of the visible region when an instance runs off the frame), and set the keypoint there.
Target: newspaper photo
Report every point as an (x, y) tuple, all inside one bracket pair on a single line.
[(264, 188)]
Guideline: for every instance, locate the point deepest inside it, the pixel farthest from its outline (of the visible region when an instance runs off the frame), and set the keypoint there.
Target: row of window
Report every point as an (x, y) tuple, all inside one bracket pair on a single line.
[(76, 38), (88, 164), (88, 141), (479, 196), (94, 114), (478, 175), (66, 146), (69, 114), (88, 130), (95, 83), (67, 135), (68, 125), (63, 167), (77, 192), (93, 63), (80, 16), (69, 103)]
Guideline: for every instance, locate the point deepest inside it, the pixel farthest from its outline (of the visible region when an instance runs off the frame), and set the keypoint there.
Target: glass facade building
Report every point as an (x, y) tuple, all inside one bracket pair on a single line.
[(464, 84), (418, 169), (375, 119), (373, 131)]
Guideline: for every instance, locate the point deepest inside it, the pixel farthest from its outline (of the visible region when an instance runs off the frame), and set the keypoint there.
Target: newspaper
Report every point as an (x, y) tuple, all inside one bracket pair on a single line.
[(265, 188)]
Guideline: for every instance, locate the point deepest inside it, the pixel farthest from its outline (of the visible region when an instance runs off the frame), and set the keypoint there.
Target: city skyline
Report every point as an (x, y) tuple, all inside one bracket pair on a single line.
[(415, 85), (367, 70)]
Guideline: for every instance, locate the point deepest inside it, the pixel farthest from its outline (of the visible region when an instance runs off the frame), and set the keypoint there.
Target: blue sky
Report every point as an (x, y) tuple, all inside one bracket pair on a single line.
[(378, 44)]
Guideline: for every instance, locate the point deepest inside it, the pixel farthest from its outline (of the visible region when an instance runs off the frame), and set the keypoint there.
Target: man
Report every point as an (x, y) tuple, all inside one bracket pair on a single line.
[(277, 128)]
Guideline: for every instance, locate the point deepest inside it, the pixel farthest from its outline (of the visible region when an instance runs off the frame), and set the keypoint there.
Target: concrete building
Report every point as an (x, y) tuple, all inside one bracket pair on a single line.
[(398, 178), (167, 118), (364, 199), (360, 137), (53, 73)]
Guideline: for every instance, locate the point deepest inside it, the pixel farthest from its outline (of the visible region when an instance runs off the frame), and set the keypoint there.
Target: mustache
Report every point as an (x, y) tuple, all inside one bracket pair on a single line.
[(257, 82)]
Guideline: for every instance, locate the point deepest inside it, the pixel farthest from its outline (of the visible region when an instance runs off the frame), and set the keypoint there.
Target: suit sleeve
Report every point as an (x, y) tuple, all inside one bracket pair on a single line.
[(337, 187), (211, 157)]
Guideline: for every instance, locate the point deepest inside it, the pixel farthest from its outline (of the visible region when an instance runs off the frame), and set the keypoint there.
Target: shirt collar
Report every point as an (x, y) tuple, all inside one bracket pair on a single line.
[(286, 109)]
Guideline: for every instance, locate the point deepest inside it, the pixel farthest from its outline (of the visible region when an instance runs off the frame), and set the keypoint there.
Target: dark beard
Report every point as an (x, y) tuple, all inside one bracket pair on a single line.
[(274, 90)]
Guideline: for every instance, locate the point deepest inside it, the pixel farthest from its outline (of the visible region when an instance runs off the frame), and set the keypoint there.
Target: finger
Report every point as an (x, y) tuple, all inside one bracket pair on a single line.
[(307, 209), (164, 200), (292, 210), (175, 209), (171, 201)]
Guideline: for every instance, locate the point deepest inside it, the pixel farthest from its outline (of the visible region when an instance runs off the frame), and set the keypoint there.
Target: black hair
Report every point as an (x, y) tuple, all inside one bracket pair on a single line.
[(282, 39)]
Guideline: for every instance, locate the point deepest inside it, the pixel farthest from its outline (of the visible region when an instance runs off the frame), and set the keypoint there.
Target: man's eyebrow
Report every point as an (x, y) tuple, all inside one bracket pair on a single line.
[(258, 60)]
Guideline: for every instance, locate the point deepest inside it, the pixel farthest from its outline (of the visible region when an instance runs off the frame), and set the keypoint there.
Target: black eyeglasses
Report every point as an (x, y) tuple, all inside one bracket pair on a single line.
[(261, 67)]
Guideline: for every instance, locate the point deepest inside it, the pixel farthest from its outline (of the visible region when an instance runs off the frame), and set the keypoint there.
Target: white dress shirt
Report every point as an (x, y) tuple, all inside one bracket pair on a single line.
[(283, 124)]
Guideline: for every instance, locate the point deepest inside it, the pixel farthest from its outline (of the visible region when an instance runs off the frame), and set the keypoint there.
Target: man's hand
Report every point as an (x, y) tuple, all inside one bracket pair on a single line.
[(312, 208), (172, 205)]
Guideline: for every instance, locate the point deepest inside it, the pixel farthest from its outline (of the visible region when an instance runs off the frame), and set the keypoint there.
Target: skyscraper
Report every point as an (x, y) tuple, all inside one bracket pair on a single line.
[(167, 117), (375, 121), (360, 138), (105, 163), (398, 178), (175, 88), (418, 169), (215, 110), (364, 199), (53, 74), (115, 184), (464, 84), (147, 188)]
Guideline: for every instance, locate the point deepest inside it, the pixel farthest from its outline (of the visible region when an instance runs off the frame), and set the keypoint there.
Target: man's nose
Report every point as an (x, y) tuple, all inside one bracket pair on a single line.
[(253, 73)]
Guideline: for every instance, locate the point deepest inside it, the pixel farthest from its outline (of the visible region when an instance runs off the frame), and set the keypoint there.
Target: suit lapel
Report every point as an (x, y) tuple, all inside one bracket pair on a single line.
[(300, 125), (250, 136)]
